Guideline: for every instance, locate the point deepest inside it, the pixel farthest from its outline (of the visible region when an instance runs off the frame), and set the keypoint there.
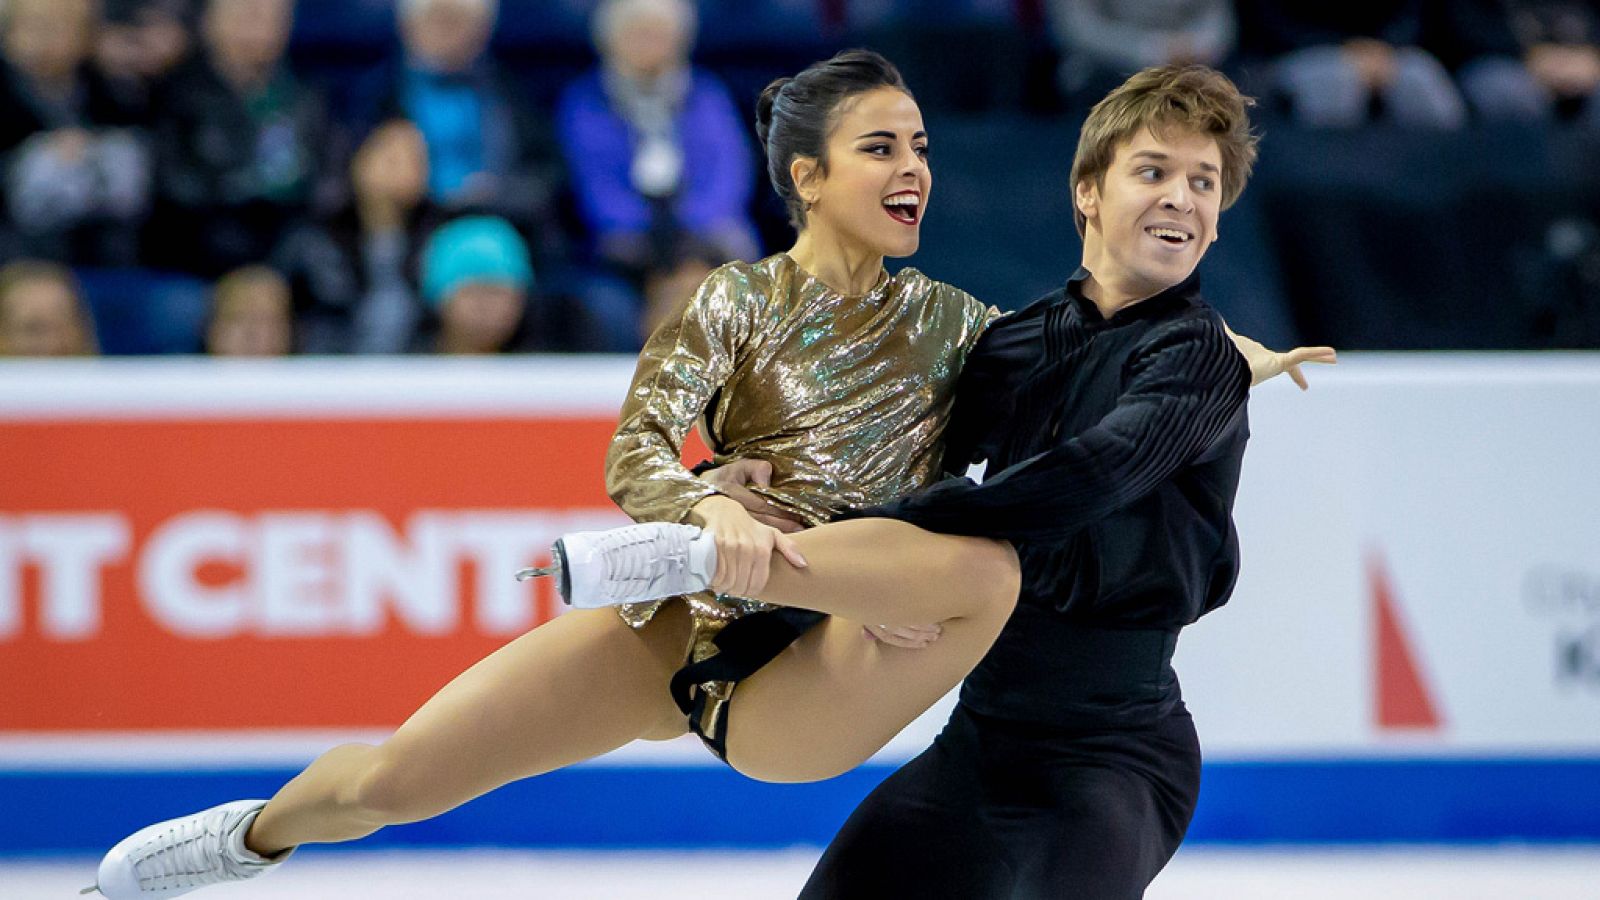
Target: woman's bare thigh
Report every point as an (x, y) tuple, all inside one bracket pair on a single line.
[(835, 697)]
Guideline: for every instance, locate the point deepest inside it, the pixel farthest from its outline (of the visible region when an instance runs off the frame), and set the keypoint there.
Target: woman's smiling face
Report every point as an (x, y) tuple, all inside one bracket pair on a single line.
[(874, 189)]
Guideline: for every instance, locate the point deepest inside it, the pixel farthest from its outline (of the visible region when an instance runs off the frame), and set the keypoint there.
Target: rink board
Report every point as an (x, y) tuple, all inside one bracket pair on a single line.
[(1413, 651)]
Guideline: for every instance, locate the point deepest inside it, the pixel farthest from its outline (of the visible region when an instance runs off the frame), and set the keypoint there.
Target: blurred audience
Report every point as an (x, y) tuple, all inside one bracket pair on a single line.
[(1102, 42), (42, 312), (1343, 65), (241, 142), (355, 272), (1528, 60), (477, 277), (139, 42), (660, 162), (486, 150), (251, 314), (76, 177)]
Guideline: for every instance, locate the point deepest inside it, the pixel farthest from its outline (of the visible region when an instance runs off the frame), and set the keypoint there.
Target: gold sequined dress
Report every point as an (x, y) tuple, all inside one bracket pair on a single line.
[(846, 397)]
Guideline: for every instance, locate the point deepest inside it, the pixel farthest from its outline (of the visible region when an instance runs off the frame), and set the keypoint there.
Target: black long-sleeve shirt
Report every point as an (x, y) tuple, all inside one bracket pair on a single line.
[(1114, 448)]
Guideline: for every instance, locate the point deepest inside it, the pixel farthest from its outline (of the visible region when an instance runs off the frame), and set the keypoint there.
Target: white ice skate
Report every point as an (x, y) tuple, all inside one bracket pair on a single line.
[(631, 564), (174, 857)]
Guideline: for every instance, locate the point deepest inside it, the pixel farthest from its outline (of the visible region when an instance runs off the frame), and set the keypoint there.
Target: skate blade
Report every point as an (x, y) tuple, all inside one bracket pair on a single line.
[(538, 572), (91, 889)]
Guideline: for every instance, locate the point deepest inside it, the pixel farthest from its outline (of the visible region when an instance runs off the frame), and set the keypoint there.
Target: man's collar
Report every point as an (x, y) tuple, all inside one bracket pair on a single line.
[(1180, 294)]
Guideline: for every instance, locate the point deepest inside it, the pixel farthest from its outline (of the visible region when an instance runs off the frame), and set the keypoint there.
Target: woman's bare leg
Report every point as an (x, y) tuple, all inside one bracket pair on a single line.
[(888, 572), (566, 691), (836, 696)]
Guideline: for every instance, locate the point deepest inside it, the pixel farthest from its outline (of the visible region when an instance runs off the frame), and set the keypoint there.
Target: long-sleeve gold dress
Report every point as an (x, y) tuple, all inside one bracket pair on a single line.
[(846, 396)]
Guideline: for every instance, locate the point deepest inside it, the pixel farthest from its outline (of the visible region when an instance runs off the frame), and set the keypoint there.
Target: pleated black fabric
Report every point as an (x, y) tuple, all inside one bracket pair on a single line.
[(1113, 447)]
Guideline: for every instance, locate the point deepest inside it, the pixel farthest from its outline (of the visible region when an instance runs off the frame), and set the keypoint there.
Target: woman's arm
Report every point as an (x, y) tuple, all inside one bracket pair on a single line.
[(685, 362)]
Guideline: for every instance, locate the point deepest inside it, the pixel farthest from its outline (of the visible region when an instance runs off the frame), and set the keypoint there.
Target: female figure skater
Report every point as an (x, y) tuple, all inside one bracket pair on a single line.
[(815, 360)]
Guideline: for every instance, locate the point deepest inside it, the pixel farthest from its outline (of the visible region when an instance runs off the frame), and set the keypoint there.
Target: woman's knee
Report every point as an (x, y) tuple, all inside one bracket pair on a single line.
[(392, 786), (995, 574)]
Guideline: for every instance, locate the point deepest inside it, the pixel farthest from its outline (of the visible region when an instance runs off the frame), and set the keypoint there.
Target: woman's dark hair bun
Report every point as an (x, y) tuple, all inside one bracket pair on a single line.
[(764, 104), (795, 115)]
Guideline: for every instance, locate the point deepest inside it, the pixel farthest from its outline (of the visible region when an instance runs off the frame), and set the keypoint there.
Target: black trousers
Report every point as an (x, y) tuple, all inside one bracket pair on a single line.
[(997, 809)]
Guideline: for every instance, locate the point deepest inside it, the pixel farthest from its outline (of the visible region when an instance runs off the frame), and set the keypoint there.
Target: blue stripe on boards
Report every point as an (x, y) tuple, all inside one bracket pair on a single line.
[(1332, 801)]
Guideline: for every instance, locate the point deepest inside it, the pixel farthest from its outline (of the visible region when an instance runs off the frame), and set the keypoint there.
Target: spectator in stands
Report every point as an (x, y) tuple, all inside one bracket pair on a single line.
[(138, 44), (76, 178), (241, 142), (476, 275), (1339, 64), (487, 152), (1528, 60), (42, 312), (251, 314), (355, 272), (1102, 43), (660, 163)]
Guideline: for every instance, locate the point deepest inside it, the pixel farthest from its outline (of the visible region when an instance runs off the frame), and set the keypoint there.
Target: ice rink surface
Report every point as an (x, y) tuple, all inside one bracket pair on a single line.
[(1499, 873)]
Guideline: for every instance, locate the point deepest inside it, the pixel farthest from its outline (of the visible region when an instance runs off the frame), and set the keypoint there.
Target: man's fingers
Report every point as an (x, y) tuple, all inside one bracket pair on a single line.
[(1298, 377), (750, 471), (761, 472), (1324, 355), (751, 501), (787, 526), (790, 550)]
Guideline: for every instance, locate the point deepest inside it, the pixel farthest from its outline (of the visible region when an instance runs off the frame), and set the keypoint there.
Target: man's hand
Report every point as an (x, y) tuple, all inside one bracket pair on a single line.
[(911, 637), (733, 480), (1268, 364)]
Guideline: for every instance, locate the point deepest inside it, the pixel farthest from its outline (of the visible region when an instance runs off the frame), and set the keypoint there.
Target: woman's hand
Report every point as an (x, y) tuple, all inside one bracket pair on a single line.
[(1268, 364), (744, 546)]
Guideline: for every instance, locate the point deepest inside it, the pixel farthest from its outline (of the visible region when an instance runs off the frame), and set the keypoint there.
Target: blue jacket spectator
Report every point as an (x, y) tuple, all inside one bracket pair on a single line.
[(487, 151), (660, 161)]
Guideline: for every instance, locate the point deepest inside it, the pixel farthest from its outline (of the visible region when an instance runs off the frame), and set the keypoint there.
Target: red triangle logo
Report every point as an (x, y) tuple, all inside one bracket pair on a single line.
[(1402, 700)]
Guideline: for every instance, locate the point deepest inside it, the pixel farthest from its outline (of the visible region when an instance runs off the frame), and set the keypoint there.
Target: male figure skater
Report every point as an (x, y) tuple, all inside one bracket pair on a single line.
[(1113, 410)]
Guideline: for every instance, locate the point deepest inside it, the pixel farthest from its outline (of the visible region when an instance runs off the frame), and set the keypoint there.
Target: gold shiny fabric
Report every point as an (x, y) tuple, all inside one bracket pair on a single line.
[(846, 397)]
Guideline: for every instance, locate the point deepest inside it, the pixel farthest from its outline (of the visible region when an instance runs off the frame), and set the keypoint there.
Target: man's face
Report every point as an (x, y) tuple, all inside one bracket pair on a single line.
[(482, 317), (39, 317), (1155, 213), (447, 35), (250, 34), (48, 39), (645, 46)]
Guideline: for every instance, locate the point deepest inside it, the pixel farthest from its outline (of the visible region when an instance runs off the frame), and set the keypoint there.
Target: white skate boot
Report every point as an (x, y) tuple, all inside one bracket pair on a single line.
[(631, 564), (174, 857)]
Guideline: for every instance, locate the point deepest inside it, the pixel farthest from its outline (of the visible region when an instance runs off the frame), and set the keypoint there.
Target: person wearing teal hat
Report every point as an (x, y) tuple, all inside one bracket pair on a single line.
[(476, 276)]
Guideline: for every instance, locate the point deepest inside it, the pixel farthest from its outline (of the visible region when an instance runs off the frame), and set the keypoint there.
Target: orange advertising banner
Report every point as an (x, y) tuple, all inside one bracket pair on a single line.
[(204, 571)]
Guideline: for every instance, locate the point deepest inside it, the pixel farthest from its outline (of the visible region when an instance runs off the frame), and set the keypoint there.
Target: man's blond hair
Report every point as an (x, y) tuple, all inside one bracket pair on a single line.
[(1190, 98)]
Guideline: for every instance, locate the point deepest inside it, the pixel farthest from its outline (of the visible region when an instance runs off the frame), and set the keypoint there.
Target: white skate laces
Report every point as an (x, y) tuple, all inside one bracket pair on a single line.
[(631, 564), (177, 856)]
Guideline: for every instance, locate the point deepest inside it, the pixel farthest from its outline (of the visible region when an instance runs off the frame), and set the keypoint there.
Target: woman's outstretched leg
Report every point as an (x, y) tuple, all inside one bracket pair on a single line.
[(566, 691), (569, 690)]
